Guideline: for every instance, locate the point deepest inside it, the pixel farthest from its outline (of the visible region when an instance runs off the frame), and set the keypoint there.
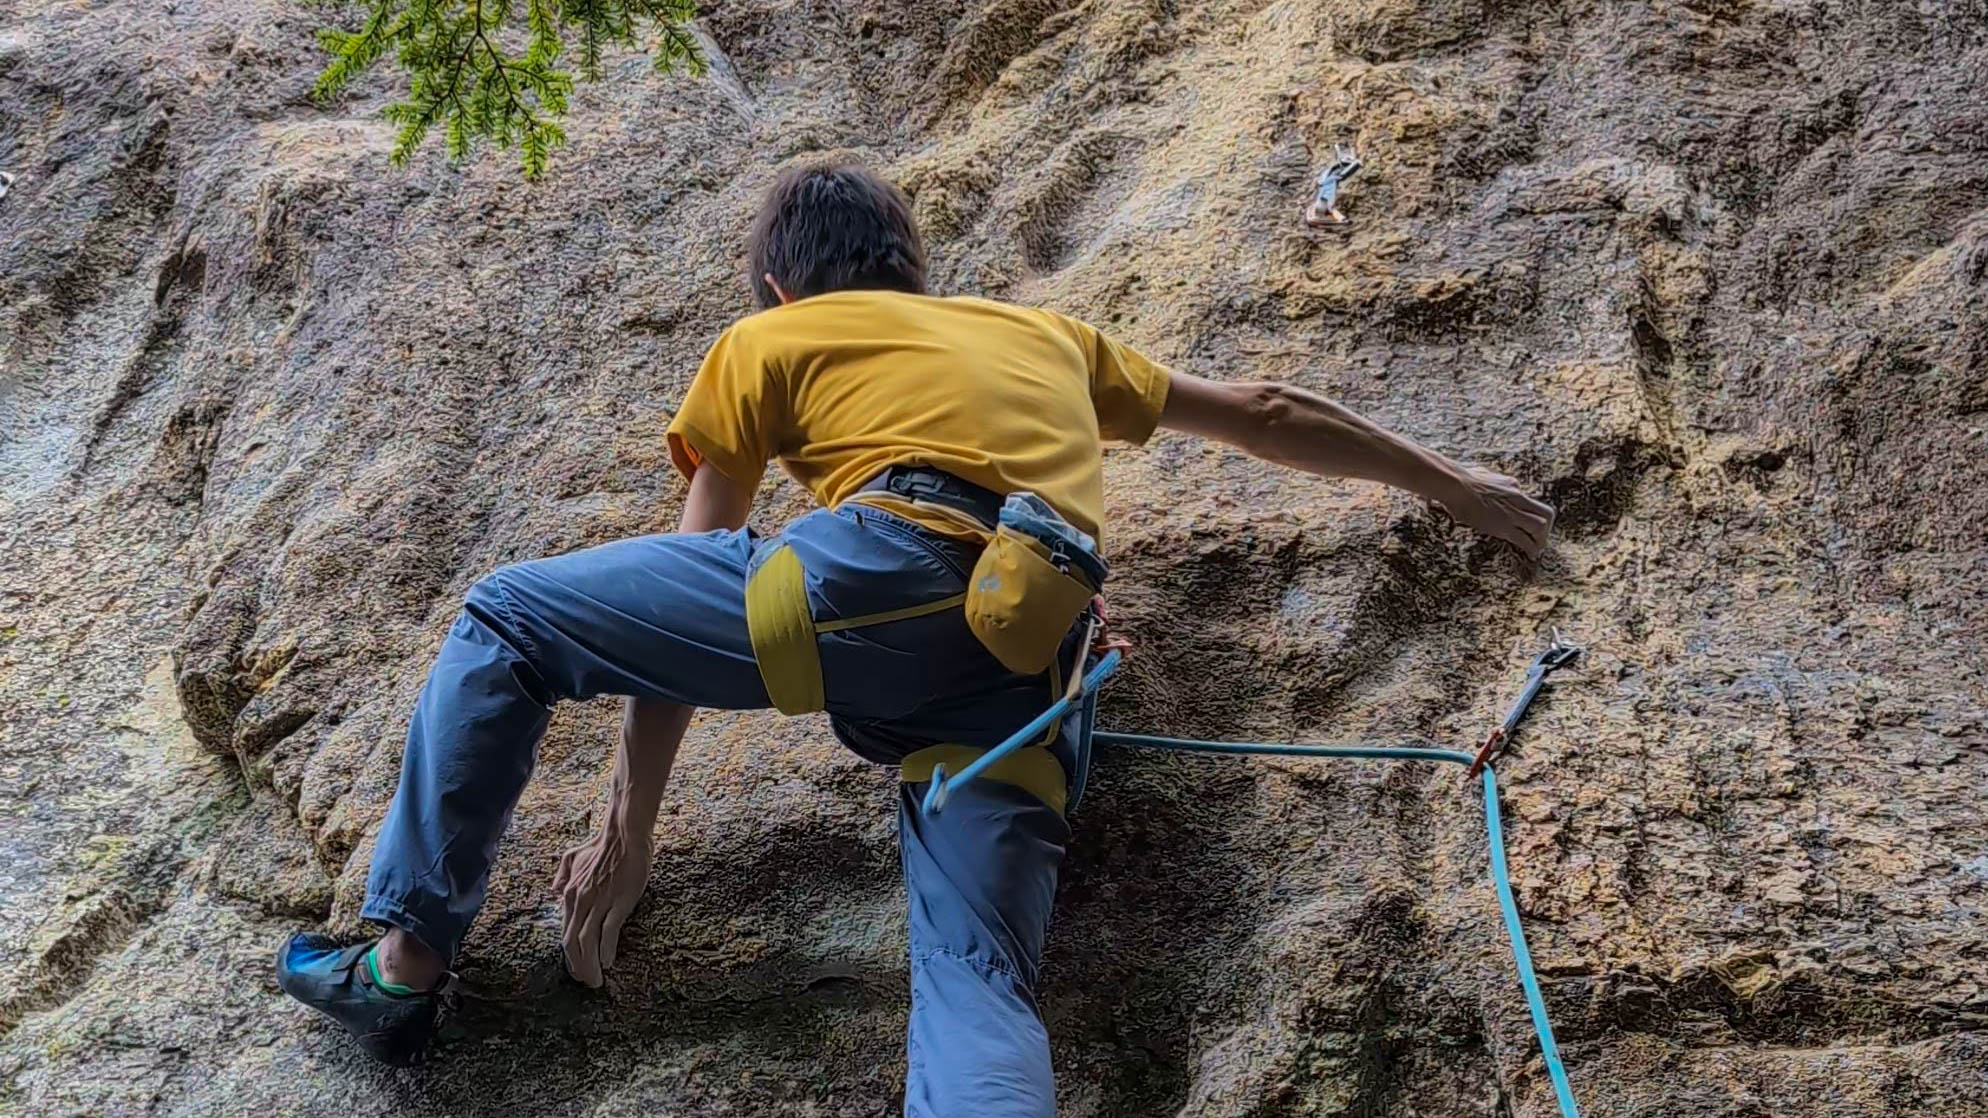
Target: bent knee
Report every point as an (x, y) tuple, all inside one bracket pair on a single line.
[(494, 613), (495, 601), (489, 597)]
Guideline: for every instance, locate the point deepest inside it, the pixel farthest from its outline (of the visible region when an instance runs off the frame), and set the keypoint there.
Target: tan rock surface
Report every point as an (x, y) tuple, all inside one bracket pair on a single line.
[(1709, 273)]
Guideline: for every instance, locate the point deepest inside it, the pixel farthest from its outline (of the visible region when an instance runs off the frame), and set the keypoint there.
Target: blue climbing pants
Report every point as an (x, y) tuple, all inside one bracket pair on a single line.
[(664, 617)]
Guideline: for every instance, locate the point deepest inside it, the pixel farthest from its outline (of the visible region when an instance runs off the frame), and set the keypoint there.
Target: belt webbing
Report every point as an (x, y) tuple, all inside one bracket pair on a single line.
[(922, 483)]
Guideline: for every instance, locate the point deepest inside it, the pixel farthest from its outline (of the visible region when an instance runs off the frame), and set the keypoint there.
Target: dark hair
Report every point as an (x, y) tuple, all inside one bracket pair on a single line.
[(834, 227)]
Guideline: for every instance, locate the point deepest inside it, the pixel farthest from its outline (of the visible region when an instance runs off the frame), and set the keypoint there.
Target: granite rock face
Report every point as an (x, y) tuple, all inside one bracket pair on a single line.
[(1710, 273)]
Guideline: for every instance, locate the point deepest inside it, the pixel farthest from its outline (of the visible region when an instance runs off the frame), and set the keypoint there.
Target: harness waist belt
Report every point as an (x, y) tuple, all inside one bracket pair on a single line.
[(923, 483)]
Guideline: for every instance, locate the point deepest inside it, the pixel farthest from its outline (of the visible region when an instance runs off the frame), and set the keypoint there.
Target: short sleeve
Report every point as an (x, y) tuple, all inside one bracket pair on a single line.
[(733, 413), (1128, 390)]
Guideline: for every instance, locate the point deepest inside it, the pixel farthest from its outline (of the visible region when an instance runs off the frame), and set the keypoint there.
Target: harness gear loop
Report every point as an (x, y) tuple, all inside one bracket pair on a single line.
[(1106, 638)]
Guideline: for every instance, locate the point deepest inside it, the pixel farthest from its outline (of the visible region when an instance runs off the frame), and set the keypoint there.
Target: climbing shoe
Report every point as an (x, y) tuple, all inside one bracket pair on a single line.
[(339, 982)]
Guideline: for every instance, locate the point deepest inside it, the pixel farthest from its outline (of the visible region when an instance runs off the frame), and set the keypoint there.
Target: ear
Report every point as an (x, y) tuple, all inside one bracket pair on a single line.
[(777, 289)]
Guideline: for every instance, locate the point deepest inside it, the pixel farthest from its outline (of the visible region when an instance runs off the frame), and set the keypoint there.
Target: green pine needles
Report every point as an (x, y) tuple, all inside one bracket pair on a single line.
[(468, 75)]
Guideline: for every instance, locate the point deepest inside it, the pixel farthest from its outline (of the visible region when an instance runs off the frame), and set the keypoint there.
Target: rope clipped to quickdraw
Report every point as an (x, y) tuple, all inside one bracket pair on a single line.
[(1557, 655)]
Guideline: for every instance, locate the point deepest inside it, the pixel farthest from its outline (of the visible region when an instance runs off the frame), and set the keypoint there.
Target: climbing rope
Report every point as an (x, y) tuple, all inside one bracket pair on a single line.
[(1493, 825), (942, 787)]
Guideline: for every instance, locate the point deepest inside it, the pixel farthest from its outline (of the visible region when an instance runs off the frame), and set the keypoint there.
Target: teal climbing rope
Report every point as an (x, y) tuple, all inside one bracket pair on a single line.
[(1501, 876), (942, 786)]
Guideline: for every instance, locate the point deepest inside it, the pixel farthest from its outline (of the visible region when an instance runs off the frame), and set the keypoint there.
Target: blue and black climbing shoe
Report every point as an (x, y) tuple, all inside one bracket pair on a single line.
[(343, 983)]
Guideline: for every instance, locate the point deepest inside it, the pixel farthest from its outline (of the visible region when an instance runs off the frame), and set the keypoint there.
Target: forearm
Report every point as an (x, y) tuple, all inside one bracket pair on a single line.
[(1304, 430), (651, 731), (1310, 432)]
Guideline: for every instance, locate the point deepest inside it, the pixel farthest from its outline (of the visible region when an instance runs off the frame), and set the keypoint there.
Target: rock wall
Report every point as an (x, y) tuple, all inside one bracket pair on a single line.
[(1710, 273)]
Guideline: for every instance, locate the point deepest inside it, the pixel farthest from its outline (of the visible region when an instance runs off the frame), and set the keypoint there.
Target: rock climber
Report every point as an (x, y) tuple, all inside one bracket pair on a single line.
[(923, 425)]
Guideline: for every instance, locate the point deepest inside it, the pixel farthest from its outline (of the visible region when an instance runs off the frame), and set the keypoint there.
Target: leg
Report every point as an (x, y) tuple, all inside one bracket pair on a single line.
[(980, 877), (660, 616)]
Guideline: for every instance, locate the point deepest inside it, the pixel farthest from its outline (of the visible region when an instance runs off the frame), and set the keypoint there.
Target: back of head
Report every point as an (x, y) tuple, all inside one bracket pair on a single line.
[(833, 227)]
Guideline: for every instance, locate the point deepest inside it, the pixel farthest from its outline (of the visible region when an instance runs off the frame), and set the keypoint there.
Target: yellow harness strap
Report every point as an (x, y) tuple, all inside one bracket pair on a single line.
[(1032, 770), (890, 615), (783, 631), (783, 634)]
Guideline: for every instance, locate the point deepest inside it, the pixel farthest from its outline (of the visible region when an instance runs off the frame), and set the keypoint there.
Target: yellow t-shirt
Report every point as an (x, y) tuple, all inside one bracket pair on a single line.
[(841, 386)]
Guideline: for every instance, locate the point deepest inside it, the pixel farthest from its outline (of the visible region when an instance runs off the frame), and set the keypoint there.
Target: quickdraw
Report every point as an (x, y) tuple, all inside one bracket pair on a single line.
[(1559, 654), (1324, 208)]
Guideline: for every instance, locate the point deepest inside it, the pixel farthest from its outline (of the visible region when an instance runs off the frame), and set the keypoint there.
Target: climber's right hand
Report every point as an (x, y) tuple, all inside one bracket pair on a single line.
[(598, 883), (1495, 505)]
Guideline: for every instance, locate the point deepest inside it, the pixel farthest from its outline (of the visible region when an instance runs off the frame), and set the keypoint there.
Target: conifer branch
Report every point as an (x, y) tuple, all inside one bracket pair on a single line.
[(463, 77)]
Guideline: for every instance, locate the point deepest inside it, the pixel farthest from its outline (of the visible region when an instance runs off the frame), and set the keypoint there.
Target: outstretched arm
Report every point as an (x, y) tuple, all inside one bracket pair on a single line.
[(1304, 430), (600, 880)]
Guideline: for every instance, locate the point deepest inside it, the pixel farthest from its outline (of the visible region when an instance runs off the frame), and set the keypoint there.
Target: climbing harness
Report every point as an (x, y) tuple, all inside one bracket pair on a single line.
[(1035, 577), (1557, 655), (1084, 698), (1324, 208), (944, 783)]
